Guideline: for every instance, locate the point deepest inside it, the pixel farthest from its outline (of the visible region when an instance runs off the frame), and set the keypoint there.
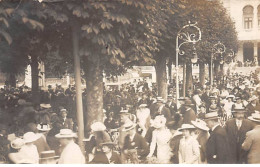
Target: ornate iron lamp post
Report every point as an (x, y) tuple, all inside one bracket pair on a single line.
[(189, 33), (218, 48)]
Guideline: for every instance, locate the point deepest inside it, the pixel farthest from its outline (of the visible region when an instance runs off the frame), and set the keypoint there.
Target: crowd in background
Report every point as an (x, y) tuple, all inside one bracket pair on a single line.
[(215, 123)]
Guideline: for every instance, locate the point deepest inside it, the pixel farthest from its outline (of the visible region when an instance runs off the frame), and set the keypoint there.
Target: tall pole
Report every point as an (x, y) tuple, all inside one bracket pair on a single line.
[(211, 70), (177, 71), (186, 37), (80, 118), (184, 80), (217, 48)]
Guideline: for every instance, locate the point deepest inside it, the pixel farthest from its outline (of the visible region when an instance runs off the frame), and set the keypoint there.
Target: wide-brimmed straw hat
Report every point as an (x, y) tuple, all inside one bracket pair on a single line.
[(159, 121), (254, 97), (45, 106), (230, 96), (200, 124), (44, 128), (124, 112), (66, 133), (186, 126), (239, 110), (17, 143), (30, 137), (159, 99), (143, 106), (129, 126), (63, 110), (211, 115), (48, 155), (255, 117), (98, 126)]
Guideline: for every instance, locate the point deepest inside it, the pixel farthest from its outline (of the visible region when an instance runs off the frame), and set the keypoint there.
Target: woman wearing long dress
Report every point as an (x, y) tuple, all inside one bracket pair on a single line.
[(161, 137), (189, 151)]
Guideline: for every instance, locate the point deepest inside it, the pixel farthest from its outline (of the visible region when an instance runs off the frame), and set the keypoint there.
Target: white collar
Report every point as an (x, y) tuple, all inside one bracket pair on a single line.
[(132, 137), (214, 127)]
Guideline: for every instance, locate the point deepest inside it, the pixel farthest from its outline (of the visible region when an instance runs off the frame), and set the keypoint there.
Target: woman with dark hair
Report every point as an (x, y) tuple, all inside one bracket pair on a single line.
[(107, 155)]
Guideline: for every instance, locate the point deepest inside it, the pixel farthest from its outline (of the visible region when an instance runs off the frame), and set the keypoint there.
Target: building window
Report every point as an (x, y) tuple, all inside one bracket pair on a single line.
[(248, 22), (248, 14)]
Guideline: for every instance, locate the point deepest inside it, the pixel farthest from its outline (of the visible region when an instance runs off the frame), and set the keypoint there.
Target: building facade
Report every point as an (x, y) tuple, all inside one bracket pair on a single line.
[(246, 15)]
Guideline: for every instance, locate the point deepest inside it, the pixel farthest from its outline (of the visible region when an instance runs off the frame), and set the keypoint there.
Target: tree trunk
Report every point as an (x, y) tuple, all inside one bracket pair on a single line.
[(161, 77), (184, 81), (12, 80), (221, 72), (188, 76), (94, 82), (216, 72), (35, 80), (209, 65), (170, 71), (202, 73)]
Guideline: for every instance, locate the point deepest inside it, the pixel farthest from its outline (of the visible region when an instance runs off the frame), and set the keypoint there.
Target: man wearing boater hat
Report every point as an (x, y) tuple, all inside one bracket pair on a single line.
[(134, 142), (252, 141), (71, 153), (236, 130), (217, 147)]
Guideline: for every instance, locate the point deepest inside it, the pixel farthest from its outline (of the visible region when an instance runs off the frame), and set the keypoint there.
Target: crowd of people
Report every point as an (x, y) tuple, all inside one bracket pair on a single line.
[(214, 124)]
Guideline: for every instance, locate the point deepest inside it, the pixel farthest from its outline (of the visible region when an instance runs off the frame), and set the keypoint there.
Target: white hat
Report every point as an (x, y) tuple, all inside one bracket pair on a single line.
[(124, 112), (30, 137), (17, 143), (128, 126), (143, 106), (98, 126), (254, 97), (45, 105), (159, 121), (43, 128), (200, 124), (186, 126), (255, 117), (66, 133), (63, 110), (230, 96), (177, 133), (211, 115)]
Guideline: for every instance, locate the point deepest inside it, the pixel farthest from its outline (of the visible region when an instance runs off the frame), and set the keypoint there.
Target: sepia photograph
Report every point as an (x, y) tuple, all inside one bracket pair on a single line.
[(129, 82)]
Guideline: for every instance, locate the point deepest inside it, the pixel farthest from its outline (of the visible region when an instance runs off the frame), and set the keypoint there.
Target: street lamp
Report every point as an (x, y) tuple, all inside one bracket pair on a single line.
[(189, 33), (218, 48)]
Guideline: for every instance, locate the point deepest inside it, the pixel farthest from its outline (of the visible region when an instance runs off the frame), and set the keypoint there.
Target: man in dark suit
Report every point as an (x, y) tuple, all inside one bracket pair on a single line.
[(189, 113), (162, 110), (236, 130), (67, 123), (217, 147), (134, 144)]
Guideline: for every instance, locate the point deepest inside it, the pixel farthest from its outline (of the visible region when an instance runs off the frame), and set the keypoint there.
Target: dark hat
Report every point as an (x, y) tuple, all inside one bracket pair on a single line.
[(107, 141), (48, 154), (188, 102)]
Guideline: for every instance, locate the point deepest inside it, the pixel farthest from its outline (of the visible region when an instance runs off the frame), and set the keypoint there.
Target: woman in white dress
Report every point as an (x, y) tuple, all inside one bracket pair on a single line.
[(161, 137), (189, 149)]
